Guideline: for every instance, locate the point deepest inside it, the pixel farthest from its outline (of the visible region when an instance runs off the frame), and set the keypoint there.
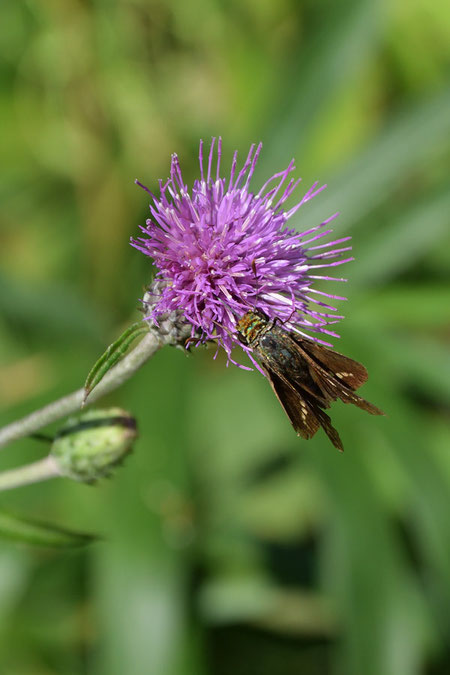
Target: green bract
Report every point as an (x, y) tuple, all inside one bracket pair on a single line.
[(90, 445)]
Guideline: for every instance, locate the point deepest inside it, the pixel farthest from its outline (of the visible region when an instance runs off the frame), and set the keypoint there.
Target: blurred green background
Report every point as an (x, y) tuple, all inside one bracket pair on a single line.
[(229, 545)]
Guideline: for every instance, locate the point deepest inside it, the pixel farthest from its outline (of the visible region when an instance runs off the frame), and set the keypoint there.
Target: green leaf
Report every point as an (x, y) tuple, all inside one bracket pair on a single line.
[(418, 359), (112, 355), (376, 173), (402, 242), (316, 73), (58, 310), (40, 534), (397, 305)]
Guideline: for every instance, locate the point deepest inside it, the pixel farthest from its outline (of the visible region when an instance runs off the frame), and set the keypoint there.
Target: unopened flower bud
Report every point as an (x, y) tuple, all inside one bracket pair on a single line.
[(90, 445)]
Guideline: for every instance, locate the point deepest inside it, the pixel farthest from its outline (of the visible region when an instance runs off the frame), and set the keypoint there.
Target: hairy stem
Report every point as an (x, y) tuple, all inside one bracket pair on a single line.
[(71, 403), (44, 469)]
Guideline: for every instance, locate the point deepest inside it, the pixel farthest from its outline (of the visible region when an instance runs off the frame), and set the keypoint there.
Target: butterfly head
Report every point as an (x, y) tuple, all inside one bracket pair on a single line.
[(250, 326)]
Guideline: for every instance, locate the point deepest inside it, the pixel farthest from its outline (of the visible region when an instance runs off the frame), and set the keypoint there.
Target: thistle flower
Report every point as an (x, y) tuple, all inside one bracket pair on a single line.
[(223, 250)]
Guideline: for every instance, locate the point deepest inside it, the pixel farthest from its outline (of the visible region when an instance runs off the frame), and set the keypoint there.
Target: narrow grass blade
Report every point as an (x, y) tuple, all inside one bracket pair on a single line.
[(40, 534)]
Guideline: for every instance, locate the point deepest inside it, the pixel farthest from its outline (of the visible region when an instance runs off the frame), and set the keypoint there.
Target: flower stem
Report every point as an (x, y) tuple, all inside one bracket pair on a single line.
[(43, 469), (66, 405)]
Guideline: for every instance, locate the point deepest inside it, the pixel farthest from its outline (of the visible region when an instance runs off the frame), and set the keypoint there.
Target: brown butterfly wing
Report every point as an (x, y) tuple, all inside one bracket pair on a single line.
[(329, 429), (296, 408), (336, 375), (303, 411), (348, 396), (348, 371)]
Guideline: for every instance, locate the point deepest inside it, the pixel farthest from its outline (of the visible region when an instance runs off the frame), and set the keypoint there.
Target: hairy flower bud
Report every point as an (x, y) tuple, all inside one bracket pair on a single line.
[(90, 445), (172, 325)]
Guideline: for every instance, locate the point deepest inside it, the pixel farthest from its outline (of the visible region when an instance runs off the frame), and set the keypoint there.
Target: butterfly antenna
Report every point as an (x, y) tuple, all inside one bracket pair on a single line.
[(223, 328), (294, 308), (256, 278)]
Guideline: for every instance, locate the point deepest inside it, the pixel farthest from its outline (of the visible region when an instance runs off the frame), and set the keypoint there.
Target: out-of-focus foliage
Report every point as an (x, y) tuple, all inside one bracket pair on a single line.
[(229, 545)]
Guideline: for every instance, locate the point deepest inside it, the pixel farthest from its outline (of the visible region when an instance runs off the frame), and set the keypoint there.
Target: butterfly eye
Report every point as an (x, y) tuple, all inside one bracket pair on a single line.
[(242, 339)]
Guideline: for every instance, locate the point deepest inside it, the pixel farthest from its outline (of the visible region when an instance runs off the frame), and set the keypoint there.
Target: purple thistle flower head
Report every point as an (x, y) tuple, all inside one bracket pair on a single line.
[(224, 250)]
